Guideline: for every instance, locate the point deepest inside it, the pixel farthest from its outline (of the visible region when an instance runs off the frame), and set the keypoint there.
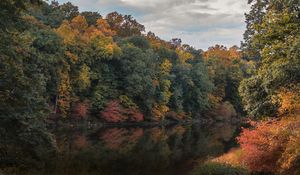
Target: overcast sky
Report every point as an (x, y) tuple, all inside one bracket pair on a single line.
[(199, 23)]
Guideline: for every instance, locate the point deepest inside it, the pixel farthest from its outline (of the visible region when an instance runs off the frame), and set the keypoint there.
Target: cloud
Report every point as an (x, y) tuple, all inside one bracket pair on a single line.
[(200, 23)]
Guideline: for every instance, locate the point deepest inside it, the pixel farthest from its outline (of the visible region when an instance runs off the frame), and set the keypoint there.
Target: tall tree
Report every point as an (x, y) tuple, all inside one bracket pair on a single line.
[(91, 17), (278, 35), (253, 19), (124, 25)]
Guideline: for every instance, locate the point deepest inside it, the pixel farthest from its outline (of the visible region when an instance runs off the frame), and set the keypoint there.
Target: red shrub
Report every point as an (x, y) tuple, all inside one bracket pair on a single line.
[(115, 112), (135, 115), (81, 109), (138, 117), (260, 155), (264, 147)]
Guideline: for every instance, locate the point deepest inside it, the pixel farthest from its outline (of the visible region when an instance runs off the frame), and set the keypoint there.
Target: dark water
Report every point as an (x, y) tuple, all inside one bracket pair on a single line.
[(172, 150)]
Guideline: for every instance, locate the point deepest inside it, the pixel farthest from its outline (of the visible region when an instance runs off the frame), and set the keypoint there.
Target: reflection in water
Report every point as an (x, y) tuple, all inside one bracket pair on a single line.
[(135, 150), (120, 138)]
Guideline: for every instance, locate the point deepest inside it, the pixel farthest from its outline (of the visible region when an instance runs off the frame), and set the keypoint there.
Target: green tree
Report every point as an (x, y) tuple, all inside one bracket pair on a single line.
[(191, 85), (279, 67), (23, 82), (91, 17), (124, 25), (137, 70), (253, 18)]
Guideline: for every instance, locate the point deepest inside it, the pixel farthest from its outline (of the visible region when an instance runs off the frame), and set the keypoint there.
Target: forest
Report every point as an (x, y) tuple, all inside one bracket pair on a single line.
[(62, 67)]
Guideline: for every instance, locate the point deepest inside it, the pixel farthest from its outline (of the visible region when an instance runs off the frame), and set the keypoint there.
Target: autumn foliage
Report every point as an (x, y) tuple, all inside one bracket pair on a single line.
[(273, 146), (289, 100), (115, 112), (81, 109), (221, 52)]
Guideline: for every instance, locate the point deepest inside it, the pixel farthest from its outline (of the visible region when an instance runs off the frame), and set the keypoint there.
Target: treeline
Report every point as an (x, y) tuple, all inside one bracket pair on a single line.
[(59, 62)]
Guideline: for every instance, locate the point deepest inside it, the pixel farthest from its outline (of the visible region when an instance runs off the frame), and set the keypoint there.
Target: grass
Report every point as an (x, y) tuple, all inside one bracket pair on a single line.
[(215, 168)]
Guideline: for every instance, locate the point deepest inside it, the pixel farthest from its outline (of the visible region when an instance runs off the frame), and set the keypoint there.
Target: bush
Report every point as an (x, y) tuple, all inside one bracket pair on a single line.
[(81, 109), (273, 146), (115, 112), (213, 168)]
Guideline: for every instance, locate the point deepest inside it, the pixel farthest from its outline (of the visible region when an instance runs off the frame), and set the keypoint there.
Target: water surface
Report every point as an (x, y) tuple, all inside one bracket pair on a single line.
[(172, 150)]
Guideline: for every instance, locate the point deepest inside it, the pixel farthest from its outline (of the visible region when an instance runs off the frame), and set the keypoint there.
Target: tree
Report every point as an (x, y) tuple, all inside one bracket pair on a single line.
[(23, 83), (69, 10), (64, 91), (163, 90), (84, 81), (124, 25), (253, 19), (81, 57), (226, 71), (104, 27), (279, 36), (137, 68), (91, 17), (191, 85)]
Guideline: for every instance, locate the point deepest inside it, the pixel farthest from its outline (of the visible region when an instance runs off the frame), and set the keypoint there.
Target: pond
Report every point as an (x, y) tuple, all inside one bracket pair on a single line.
[(169, 150)]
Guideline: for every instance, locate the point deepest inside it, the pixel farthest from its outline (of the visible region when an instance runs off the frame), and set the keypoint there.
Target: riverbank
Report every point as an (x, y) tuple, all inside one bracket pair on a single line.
[(268, 147), (226, 164), (91, 122)]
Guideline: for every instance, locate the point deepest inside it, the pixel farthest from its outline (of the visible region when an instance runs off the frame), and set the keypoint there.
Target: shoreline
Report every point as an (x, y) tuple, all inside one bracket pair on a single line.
[(96, 124)]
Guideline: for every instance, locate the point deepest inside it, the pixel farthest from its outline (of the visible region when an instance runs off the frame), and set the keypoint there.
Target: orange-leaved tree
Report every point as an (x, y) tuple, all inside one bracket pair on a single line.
[(273, 146)]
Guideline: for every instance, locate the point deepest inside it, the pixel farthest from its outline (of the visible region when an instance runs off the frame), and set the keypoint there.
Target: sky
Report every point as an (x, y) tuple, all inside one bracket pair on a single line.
[(199, 23)]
